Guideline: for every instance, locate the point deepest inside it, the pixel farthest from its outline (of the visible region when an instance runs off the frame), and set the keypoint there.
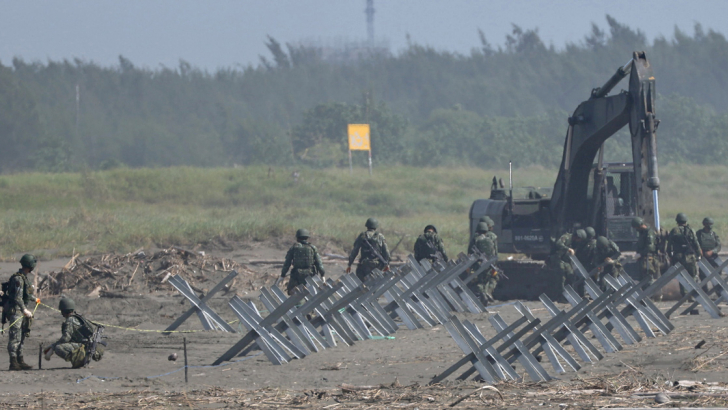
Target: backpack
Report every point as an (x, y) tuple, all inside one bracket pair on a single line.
[(87, 329)]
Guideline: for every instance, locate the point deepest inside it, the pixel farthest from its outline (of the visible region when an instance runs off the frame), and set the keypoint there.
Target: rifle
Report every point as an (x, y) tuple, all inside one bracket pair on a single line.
[(93, 343), (375, 252), (495, 267), (438, 254)]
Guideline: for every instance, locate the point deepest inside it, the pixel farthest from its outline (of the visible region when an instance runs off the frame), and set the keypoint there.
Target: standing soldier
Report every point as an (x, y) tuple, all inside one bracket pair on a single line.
[(683, 247), (76, 334), (709, 241), (488, 279), (16, 311), (559, 260), (488, 221), (374, 251), (305, 260), (493, 237), (647, 249), (429, 246), (606, 257)]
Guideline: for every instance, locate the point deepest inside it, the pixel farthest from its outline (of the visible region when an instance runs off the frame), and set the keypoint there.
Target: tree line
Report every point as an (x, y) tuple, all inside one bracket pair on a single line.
[(427, 107)]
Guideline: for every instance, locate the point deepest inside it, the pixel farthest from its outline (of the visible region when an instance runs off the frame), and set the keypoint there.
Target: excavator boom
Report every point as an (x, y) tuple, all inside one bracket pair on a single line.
[(592, 123)]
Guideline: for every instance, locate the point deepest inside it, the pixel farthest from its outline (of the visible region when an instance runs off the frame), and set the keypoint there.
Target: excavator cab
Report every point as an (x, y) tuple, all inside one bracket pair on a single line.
[(612, 195)]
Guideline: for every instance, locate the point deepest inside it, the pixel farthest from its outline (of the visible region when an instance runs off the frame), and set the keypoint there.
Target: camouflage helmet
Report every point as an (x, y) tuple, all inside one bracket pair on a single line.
[(430, 227), (484, 218), (637, 222), (580, 234), (708, 221), (681, 218), (590, 232), (28, 261), (482, 227), (602, 242), (489, 221), (372, 223), (302, 233), (66, 304)]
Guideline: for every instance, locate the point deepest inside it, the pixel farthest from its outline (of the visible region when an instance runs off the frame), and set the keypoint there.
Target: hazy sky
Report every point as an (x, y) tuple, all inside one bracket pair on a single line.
[(226, 33)]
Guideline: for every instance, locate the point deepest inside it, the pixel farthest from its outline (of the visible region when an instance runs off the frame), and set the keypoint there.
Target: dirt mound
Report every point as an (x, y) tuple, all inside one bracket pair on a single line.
[(142, 271)]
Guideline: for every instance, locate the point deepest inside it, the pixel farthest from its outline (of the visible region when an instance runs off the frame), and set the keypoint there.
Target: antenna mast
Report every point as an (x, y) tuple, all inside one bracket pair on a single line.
[(370, 21)]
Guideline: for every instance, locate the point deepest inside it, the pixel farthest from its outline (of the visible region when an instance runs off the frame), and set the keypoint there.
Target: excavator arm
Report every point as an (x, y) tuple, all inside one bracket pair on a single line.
[(592, 123)]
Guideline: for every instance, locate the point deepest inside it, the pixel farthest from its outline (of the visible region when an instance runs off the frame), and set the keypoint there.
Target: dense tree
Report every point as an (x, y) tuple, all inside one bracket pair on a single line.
[(432, 107)]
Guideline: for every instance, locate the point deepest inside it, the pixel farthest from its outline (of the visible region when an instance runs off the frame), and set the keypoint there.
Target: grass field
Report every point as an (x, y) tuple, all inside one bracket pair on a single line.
[(123, 209)]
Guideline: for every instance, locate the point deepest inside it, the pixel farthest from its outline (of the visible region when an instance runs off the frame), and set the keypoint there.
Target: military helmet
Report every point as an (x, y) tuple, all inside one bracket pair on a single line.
[(489, 221), (302, 233), (637, 222), (28, 261), (602, 242), (482, 227), (66, 304), (581, 234), (681, 218), (484, 218), (590, 232), (431, 227), (372, 223), (708, 221)]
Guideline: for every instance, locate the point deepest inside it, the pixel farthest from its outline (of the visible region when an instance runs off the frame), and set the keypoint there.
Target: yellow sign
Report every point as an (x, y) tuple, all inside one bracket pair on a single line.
[(359, 137)]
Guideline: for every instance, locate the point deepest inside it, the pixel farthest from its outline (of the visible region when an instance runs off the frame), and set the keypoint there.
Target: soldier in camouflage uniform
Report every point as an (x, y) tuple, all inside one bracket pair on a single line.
[(709, 245), (429, 246), (559, 261), (369, 242), (683, 247), (75, 334), (488, 221), (305, 261), (709, 241), (17, 312), (647, 249), (606, 257), (585, 252), (485, 283)]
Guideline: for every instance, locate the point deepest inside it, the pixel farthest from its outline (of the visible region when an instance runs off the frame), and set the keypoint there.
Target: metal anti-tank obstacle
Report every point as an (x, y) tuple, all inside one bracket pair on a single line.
[(210, 320)]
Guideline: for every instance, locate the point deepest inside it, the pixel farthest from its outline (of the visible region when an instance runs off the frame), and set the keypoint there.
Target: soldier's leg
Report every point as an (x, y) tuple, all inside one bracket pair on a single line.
[(72, 352), (490, 285), (15, 336), (363, 270), (293, 283)]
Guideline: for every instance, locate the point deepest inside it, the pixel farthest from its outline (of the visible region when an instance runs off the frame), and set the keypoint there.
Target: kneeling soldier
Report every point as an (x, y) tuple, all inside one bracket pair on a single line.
[(305, 260), (76, 337)]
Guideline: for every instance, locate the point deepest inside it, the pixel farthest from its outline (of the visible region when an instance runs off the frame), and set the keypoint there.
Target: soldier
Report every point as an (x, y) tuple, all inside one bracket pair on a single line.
[(305, 260), (606, 258), (683, 247), (488, 221), (493, 237), (76, 333), (485, 283), (429, 246), (647, 249), (709, 241), (585, 253), (374, 251), (559, 260), (17, 313)]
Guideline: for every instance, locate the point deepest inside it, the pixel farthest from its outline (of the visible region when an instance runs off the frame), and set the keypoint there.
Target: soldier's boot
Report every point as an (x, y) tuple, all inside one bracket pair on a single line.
[(14, 365), (22, 364)]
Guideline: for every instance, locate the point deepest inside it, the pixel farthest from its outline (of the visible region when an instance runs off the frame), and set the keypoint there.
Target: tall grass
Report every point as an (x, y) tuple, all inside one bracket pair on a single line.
[(122, 209)]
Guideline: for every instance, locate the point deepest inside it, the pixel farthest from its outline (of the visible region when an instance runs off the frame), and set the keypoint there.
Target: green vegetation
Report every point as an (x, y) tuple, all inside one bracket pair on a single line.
[(123, 209), (427, 107)]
